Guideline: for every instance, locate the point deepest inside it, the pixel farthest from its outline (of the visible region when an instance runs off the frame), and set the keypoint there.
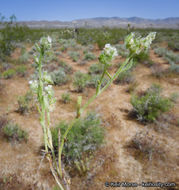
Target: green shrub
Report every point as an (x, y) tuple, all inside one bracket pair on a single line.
[(96, 68), (89, 56), (84, 138), (66, 97), (172, 56), (124, 78), (80, 81), (24, 58), (21, 70), (74, 55), (93, 81), (173, 45), (160, 51), (24, 102), (148, 106), (174, 68), (9, 73), (59, 77), (13, 132), (67, 68)]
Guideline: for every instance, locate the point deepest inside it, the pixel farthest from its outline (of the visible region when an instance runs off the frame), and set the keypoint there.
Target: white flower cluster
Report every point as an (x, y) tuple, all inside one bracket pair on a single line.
[(49, 98), (138, 44), (33, 85), (45, 45), (46, 42), (48, 94), (110, 51)]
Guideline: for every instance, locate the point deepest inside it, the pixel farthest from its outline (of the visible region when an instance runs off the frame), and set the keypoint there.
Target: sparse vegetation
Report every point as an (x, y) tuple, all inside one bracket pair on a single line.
[(59, 77), (8, 73), (66, 97), (85, 137), (24, 102), (13, 133), (150, 104), (80, 81)]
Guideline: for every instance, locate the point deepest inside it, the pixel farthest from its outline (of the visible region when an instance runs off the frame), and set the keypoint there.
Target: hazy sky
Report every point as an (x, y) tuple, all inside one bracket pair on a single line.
[(66, 10)]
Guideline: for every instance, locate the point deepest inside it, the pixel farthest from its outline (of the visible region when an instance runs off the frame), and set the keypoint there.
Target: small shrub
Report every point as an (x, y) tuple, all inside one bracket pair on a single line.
[(9, 73), (24, 102), (160, 51), (74, 55), (59, 77), (66, 98), (80, 81), (174, 97), (13, 132), (124, 78), (21, 70), (157, 71), (174, 45), (67, 68), (24, 58), (84, 138), (95, 69), (149, 105), (89, 56), (174, 68), (146, 144), (93, 81), (172, 56)]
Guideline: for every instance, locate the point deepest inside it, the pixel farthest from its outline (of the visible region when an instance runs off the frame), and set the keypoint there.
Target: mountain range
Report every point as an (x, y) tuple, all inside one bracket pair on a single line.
[(171, 22)]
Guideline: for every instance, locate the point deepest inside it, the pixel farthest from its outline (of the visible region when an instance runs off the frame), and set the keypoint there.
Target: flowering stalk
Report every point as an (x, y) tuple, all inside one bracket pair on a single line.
[(136, 46), (45, 98)]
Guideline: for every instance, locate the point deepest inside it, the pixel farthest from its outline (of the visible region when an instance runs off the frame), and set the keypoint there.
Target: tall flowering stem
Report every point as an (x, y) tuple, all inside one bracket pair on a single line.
[(135, 46), (42, 88)]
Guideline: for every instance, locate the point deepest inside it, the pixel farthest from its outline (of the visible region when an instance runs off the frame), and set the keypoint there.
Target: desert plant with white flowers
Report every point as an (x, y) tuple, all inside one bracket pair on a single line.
[(45, 95)]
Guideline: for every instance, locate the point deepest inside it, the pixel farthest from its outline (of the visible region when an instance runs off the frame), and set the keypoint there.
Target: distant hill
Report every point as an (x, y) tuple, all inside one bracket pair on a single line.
[(108, 22)]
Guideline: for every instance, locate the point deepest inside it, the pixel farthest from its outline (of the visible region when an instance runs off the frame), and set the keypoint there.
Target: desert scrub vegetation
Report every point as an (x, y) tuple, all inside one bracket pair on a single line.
[(59, 77), (93, 81), (80, 81), (146, 146), (8, 73), (67, 68), (150, 104), (125, 78), (89, 56), (74, 55), (66, 97), (21, 70), (43, 90), (25, 103), (173, 45), (96, 68), (13, 132), (86, 136)]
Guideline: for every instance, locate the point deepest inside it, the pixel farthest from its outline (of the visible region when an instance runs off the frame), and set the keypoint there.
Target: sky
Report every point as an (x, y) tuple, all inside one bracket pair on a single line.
[(67, 10)]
